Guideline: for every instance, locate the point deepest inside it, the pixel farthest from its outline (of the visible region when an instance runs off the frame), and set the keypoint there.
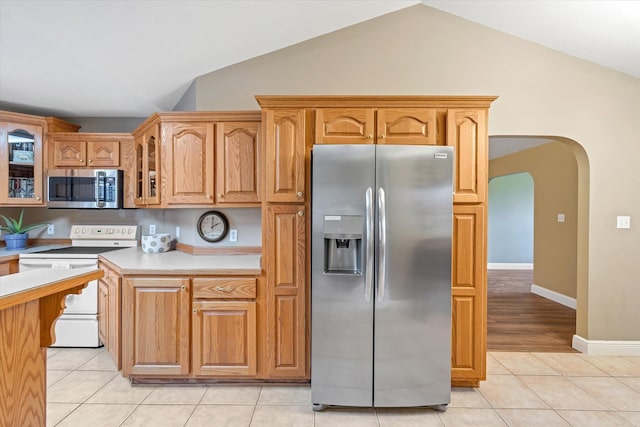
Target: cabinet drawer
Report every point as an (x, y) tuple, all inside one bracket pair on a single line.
[(241, 287)]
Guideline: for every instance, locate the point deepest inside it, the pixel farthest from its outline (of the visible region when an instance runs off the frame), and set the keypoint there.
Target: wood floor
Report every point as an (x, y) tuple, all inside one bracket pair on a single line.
[(518, 320)]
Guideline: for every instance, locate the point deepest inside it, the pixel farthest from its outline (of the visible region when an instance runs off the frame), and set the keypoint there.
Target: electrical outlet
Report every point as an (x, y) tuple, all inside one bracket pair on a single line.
[(233, 235), (51, 229), (560, 217), (152, 229), (177, 232)]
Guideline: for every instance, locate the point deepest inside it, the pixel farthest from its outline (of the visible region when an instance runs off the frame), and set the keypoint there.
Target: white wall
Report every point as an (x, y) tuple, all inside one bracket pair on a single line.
[(542, 92)]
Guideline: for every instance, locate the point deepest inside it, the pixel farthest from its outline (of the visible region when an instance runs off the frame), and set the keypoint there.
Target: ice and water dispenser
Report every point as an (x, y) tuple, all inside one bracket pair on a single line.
[(343, 244)]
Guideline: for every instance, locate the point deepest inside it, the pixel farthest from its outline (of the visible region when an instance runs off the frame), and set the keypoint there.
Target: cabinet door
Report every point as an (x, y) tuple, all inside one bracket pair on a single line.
[(286, 286), (406, 126), (8, 267), (467, 132), (188, 163), (469, 293), (344, 126), (104, 153), (156, 326), (285, 155), (237, 160), (69, 153), (21, 164), (147, 168), (224, 338), (103, 313)]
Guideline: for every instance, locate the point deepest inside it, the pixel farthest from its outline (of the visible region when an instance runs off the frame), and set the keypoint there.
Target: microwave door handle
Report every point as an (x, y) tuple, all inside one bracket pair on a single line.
[(100, 182)]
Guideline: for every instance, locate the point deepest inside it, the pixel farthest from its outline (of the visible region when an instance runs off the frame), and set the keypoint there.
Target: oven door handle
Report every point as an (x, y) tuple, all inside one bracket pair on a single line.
[(51, 263)]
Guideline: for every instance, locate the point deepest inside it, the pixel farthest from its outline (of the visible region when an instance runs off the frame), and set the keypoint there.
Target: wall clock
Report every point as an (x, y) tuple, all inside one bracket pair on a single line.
[(213, 226)]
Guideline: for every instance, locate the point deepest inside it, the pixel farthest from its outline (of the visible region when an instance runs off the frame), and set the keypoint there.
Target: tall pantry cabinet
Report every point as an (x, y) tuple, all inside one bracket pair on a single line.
[(292, 124)]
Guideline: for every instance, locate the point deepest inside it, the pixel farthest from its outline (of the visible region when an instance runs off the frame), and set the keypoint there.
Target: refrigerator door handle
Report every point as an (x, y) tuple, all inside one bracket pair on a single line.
[(368, 272), (382, 243)]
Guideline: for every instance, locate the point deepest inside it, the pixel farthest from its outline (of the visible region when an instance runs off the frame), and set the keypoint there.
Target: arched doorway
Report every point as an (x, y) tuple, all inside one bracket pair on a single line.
[(559, 169)]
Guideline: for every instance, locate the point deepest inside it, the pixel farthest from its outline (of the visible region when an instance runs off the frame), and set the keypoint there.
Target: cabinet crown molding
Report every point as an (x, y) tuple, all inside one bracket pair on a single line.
[(314, 101)]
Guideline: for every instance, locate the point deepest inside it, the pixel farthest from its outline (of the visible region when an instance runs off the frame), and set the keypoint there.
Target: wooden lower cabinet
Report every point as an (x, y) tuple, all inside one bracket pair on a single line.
[(469, 295), (224, 338), (155, 319), (8, 267), (286, 297), (109, 314)]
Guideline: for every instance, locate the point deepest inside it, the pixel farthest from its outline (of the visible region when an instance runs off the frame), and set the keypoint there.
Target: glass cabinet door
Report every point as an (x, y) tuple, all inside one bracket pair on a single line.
[(22, 156), (147, 165), (152, 171), (139, 172)]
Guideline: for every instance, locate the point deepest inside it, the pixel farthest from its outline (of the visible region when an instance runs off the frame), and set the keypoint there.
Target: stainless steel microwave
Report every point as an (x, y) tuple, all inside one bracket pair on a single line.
[(84, 188)]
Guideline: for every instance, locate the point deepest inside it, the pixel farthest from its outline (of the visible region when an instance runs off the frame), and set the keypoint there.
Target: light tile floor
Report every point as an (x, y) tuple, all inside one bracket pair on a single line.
[(522, 389)]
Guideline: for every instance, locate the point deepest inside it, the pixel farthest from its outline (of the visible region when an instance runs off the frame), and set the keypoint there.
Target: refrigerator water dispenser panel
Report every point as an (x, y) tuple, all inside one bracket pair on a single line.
[(343, 244)]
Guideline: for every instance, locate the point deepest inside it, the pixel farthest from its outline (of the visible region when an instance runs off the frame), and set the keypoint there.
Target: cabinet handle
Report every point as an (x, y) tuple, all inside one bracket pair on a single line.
[(300, 213), (224, 289), (300, 194)]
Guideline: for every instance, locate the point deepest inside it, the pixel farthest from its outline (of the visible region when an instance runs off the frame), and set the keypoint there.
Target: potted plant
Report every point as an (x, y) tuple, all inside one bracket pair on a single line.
[(16, 233)]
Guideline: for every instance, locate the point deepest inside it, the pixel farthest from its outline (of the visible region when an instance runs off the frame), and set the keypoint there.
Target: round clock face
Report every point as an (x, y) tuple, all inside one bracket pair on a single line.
[(213, 226)]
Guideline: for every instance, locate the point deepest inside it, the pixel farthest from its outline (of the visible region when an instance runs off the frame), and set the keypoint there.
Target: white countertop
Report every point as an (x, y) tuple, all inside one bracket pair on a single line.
[(28, 280), (4, 252), (135, 261)]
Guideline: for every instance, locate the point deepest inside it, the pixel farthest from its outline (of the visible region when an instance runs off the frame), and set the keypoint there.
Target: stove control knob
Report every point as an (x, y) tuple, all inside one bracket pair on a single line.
[(129, 231), (84, 230), (110, 231), (123, 231)]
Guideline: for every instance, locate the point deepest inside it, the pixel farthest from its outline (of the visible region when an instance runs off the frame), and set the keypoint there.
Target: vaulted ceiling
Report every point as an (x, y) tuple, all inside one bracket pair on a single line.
[(116, 58)]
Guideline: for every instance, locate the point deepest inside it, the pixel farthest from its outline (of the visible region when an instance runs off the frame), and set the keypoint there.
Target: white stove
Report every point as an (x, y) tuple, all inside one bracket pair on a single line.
[(78, 325)]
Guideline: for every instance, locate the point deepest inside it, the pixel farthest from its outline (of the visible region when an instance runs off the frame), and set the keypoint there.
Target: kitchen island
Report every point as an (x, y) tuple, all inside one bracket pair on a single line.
[(30, 303)]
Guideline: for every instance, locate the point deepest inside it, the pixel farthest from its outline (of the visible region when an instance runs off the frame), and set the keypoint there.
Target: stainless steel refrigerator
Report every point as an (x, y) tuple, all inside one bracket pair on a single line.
[(381, 275)]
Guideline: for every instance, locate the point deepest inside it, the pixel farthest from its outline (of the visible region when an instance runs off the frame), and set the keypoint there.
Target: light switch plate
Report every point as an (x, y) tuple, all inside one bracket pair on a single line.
[(152, 229), (233, 235), (560, 217), (51, 229), (623, 222)]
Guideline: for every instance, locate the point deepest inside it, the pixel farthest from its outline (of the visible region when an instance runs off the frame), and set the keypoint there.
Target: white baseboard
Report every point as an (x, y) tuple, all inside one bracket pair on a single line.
[(510, 266), (554, 296), (605, 347)]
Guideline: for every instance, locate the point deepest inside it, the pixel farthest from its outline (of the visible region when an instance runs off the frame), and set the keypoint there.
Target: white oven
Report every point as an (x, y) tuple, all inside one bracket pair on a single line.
[(78, 325)]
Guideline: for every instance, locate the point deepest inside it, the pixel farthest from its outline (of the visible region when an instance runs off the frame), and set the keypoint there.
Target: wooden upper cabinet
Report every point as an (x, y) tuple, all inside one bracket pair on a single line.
[(146, 167), (21, 161), (237, 162), (285, 155), (345, 126), (406, 126), (468, 279), (84, 150), (187, 152), (467, 132)]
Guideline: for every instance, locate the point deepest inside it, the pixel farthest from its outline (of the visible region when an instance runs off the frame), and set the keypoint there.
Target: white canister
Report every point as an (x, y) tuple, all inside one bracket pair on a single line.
[(156, 243)]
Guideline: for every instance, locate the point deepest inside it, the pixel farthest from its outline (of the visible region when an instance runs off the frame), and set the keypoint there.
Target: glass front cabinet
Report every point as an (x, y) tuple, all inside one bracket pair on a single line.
[(147, 171), (21, 164)]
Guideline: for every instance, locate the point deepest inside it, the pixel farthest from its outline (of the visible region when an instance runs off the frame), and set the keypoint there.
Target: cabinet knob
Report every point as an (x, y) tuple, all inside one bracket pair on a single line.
[(300, 213), (209, 196), (37, 197), (195, 310), (90, 160), (220, 196), (182, 287), (300, 194), (382, 136), (369, 136)]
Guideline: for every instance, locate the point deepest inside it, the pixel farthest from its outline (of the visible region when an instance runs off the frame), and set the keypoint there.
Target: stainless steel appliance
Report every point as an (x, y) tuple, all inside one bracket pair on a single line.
[(381, 275), (78, 325), (84, 188)]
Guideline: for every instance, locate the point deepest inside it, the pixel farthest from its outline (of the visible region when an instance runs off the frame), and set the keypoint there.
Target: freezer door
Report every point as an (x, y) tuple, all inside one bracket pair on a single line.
[(413, 294), (342, 296)]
